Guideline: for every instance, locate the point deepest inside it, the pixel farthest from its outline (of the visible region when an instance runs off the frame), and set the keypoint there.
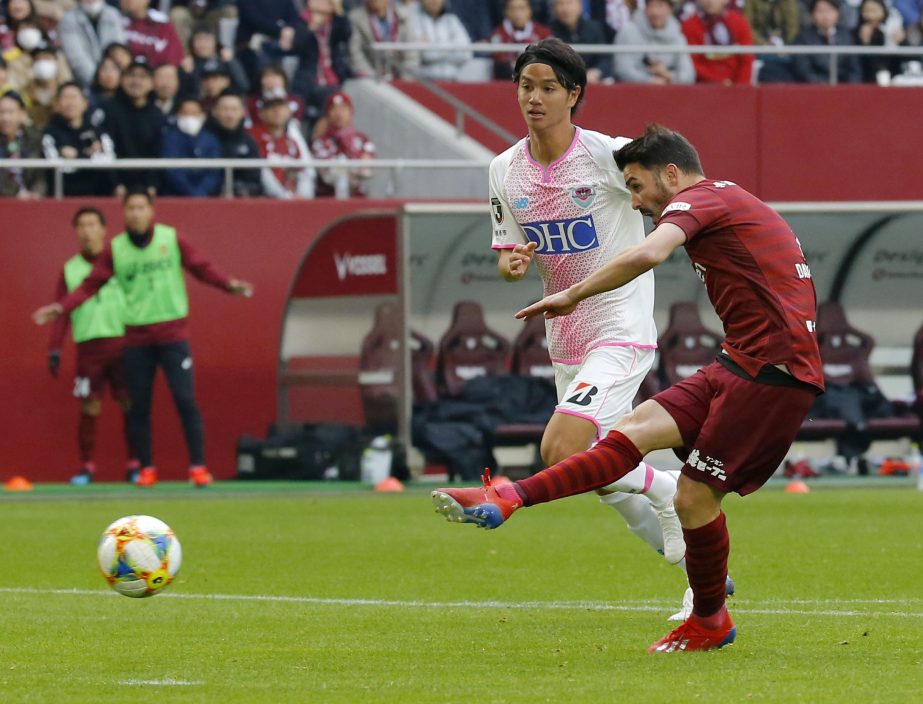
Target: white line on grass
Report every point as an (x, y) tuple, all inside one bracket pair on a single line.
[(161, 683), (650, 605)]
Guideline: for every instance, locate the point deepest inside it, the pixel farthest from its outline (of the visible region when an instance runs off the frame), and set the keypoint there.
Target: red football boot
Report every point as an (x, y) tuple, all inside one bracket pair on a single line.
[(199, 476), (147, 477), (481, 505), (692, 635)]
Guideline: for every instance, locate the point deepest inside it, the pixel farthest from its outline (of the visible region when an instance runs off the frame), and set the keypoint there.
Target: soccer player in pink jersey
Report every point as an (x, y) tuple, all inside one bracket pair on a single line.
[(558, 201), (733, 421)]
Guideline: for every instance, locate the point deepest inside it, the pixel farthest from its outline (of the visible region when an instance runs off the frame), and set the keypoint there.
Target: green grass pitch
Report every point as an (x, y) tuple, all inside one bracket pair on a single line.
[(291, 593)]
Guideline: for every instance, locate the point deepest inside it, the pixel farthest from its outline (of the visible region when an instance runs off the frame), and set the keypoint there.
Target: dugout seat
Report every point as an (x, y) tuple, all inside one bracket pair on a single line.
[(530, 351), (468, 349), (379, 369), (379, 365), (686, 345), (845, 352)]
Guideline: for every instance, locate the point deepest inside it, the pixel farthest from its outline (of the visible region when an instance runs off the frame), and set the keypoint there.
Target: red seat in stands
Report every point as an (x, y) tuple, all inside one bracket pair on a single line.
[(530, 351), (686, 345), (468, 349)]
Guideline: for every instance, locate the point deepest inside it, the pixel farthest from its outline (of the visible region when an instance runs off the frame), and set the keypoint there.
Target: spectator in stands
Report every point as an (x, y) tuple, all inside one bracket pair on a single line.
[(381, 21), (188, 14), (16, 12), (135, 124), (517, 27), (653, 24), (279, 137), (274, 83), (323, 69), (215, 80), (341, 139), (106, 81), (39, 93), (84, 31), (150, 34), (266, 32), (71, 134), (206, 52), (166, 88), (570, 24), (120, 53), (774, 23), (29, 37), (871, 31), (613, 15), (433, 24), (476, 16), (226, 122), (188, 139), (911, 12), (824, 30), (19, 141), (4, 77), (718, 25)]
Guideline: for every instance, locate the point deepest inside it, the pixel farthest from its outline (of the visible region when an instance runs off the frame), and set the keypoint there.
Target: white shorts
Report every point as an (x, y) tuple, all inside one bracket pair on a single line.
[(603, 386)]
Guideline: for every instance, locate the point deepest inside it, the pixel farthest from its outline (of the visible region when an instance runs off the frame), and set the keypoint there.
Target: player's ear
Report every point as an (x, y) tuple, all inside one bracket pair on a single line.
[(574, 96), (672, 174)]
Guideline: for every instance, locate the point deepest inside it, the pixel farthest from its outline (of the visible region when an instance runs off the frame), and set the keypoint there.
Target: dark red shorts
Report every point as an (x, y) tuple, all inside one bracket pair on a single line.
[(99, 364), (736, 432)]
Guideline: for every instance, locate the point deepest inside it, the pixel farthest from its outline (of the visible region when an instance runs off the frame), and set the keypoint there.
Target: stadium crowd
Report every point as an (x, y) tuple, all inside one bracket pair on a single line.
[(105, 79)]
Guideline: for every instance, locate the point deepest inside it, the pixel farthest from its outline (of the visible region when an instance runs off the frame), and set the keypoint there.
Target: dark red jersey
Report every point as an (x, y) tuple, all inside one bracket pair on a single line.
[(755, 274)]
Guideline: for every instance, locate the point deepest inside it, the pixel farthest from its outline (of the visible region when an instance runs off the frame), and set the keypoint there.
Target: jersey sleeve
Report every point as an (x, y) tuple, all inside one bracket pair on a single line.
[(506, 231), (693, 211), (604, 155)]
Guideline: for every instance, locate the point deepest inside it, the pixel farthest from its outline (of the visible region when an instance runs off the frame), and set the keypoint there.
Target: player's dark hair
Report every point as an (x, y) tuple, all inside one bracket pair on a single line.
[(88, 210), (138, 190), (566, 63), (657, 147)]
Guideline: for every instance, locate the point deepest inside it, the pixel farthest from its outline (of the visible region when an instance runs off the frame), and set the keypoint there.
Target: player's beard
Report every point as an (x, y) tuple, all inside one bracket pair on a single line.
[(660, 200)]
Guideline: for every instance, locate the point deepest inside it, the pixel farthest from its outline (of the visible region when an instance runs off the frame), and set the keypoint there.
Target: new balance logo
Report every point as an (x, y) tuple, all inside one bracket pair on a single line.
[(584, 395)]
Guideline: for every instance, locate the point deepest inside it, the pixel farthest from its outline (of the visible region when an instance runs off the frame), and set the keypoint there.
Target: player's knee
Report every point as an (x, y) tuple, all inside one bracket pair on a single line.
[(686, 507), (558, 447)]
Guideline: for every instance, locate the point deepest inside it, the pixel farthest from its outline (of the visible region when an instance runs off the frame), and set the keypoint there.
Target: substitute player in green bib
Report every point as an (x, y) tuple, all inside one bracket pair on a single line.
[(98, 331), (148, 260)]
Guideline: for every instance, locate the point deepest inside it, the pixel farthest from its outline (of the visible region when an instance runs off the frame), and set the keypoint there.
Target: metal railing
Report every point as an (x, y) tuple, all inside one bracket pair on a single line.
[(911, 52), (395, 166)]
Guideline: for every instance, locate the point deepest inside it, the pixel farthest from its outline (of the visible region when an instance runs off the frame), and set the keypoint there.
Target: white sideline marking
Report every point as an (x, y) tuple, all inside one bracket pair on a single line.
[(161, 683), (648, 605)]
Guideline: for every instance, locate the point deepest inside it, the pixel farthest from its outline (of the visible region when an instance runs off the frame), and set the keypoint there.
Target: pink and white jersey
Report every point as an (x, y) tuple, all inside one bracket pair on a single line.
[(578, 211)]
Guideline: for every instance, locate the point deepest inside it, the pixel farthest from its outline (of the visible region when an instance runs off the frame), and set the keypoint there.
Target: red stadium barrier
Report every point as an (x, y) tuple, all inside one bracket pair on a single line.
[(783, 143), (235, 341)]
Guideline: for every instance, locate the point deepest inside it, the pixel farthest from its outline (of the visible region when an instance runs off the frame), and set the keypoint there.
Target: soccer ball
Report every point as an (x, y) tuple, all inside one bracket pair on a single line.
[(139, 555)]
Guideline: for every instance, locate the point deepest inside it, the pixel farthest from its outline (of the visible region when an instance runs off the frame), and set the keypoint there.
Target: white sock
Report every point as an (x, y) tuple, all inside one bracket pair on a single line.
[(638, 514), (659, 487)]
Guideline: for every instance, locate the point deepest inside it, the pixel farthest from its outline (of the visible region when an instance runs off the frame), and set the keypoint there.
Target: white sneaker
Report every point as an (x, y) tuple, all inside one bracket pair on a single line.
[(674, 545), (686, 611)]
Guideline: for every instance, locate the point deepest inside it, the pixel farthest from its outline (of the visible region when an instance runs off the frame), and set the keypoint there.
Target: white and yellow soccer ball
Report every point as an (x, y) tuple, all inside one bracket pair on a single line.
[(139, 555)]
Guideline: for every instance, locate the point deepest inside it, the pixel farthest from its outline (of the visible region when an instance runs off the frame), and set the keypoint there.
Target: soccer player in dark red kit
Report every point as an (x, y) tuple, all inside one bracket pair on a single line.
[(98, 329), (732, 422)]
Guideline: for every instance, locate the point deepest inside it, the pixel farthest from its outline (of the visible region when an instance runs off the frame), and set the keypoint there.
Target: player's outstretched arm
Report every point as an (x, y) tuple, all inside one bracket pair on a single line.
[(514, 263), (46, 314), (625, 267)]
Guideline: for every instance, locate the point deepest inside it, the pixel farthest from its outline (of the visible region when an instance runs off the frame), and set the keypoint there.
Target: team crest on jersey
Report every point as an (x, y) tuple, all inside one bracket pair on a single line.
[(521, 203), (583, 196), (497, 209)]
